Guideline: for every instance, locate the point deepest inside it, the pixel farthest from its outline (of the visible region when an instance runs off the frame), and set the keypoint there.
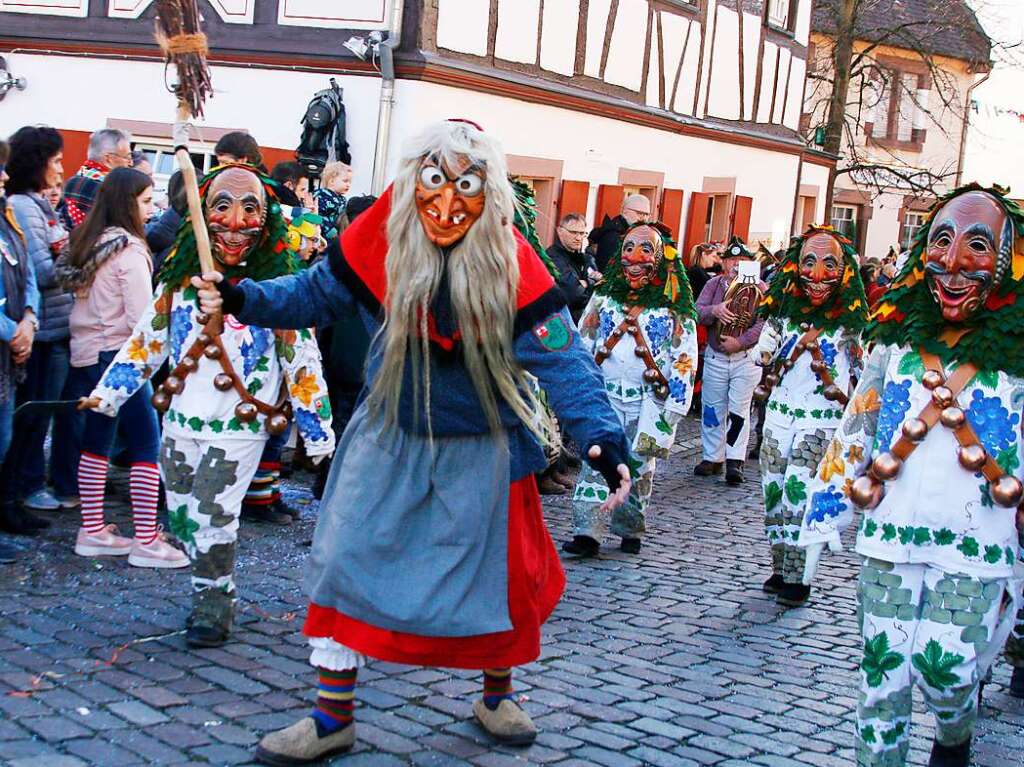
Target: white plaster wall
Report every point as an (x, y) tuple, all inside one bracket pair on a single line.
[(559, 36), (780, 85), (55, 97), (802, 31), (884, 227), (626, 52), (597, 23), (724, 97), (764, 106), (794, 104), (462, 25), (593, 148), (517, 30), (654, 73), (688, 80), (673, 37), (816, 175), (751, 44), (710, 25)]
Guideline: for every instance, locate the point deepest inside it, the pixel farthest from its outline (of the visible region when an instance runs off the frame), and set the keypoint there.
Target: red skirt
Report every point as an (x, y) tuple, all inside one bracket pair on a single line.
[(535, 584)]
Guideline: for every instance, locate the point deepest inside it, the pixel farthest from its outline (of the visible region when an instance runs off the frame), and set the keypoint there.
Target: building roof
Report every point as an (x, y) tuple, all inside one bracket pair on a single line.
[(942, 27)]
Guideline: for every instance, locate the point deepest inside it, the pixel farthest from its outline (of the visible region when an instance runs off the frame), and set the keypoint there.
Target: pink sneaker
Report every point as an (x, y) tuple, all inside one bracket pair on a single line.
[(160, 554), (105, 543)]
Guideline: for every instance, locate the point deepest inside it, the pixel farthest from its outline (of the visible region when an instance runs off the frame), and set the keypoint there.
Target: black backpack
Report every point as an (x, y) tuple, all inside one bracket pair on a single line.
[(323, 131)]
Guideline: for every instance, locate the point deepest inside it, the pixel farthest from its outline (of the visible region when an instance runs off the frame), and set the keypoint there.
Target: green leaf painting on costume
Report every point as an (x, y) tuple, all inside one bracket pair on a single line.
[(989, 379), (993, 554), (936, 665), (879, 660), (796, 490), (888, 532), (968, 546), (663, 425), (181, 526), (1008, 459), (944, 537), (889, 737), (922, 535), (912, 365), (284, 350), (867, 734), (216, 426), (195, 424), (772, 495), (160, 321), (870, 527), (906, 535), (254, 386)]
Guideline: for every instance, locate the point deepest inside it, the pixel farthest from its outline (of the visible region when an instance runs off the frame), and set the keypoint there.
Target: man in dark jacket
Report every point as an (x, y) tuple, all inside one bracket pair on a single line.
[(574, 266), (162, 230), (605, 239)]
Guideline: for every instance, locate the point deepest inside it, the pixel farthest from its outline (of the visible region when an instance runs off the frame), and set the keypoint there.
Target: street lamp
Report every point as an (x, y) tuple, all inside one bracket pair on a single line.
[(9, 81)]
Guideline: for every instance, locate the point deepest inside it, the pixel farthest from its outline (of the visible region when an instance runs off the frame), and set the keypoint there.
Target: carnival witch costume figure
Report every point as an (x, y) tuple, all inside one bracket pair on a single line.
[(641, 327), (814, 313), (431, 548), (229, 389), (930, 446)]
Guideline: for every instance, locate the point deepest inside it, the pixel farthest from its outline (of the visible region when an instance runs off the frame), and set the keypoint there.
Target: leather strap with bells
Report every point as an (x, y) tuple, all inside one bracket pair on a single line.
[(1005, 490), (652, 374)]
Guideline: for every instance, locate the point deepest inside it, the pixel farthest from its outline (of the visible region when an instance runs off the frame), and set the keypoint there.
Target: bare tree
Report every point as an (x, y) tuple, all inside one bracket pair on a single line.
[(870, 111)]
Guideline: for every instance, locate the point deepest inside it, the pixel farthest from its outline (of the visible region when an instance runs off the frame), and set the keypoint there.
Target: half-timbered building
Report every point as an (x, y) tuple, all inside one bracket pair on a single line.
[(694, 103)]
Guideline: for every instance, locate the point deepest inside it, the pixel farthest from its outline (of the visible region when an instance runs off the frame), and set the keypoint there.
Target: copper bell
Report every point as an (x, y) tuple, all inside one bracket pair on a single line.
[(800, 348), (866, 492), (972, 457), (915, 430), (276, 424), (161, 401), (650, 375), (661, 391), (640, 351), (189, 364), (203, 339), (172, 385), (818, 366), (942, 396), (772, 380), (761, 392), (886, 466), (788, 364), (286, 408), (932, 379), (833, 393), (805, 326), (813, 345), (952, 417), (202, 319), (212, 352), (1007, 491), (603, 350), (617, 333), (246, 412), (223, 382)]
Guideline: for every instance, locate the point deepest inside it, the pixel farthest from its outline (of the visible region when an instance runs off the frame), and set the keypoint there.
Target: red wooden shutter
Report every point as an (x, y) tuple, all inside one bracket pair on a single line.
[(696, 222), (672, 210), (573, 198), (609, 202), (741, 217)]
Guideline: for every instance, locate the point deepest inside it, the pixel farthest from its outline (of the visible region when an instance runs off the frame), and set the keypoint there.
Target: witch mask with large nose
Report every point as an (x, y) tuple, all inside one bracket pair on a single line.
[(236, 211)]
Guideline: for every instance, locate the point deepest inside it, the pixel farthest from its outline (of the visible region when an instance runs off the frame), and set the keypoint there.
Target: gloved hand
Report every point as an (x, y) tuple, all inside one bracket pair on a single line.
[(813, 556)]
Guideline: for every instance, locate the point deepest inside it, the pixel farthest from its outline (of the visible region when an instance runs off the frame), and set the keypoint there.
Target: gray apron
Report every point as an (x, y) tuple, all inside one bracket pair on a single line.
[(413, 537)]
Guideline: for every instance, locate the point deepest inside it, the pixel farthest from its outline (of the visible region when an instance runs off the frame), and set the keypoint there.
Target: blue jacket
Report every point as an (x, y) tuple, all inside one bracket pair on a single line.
[(33, 214), (566, 373), (16, 243)]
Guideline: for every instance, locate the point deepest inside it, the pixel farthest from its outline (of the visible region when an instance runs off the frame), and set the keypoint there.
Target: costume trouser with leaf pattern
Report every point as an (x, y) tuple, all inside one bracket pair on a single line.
[(789, 458), (206, 484), (926, 627), (630, 519)]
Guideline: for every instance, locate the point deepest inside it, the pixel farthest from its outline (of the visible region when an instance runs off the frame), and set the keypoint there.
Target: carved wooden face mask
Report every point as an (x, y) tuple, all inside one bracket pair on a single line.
[(642, 251), (449, 200), (236, 209), (965, 256), (821, 268)]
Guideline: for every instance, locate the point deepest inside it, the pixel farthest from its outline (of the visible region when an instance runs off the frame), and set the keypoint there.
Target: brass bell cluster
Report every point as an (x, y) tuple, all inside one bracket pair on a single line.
[(867, 491)]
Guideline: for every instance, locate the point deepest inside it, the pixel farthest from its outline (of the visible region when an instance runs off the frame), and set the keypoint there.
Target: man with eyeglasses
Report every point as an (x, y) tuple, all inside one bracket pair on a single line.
[(574, 266), (606, 239), (109, 148)]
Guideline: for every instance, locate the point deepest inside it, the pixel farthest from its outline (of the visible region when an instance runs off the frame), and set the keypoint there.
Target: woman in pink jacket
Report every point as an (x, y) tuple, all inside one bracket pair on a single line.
[(109, 270)]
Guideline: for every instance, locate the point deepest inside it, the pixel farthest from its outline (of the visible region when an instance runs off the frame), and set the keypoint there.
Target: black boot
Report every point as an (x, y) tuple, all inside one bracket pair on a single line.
[(283, 508), (773, 585), (582, 546), (17, 520), (630, 545), (8, 553), (707, 469), (252, 512), (205, 635), (734, 472), (1017, 683), (793, 594), (950, 756)]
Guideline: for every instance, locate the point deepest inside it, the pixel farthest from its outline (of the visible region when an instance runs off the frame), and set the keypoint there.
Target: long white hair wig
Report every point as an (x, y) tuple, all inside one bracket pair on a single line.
[(483, 275)]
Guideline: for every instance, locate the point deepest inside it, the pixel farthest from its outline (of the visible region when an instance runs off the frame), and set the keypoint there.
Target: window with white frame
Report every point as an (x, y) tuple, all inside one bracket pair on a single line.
[(895, 104), (161, 157), (844, 220), (913, 220), (779, 12)]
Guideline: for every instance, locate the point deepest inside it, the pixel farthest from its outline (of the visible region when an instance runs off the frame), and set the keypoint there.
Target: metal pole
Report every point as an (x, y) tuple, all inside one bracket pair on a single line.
[(387, 99)]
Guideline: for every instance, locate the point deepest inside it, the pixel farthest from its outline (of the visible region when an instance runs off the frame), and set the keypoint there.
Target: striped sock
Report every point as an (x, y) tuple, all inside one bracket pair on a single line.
[(92, 482), (497, 686), (264, 484), (144, 483), (336, 701)]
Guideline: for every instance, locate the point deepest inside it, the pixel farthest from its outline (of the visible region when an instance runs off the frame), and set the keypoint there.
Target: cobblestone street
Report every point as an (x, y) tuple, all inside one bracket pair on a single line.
[(671, 658)]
